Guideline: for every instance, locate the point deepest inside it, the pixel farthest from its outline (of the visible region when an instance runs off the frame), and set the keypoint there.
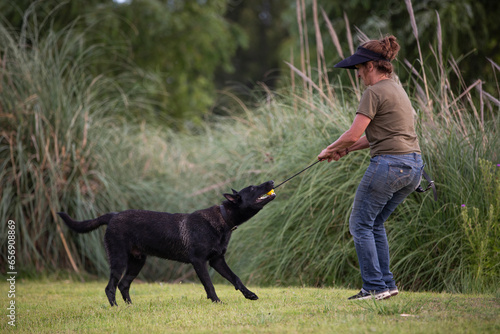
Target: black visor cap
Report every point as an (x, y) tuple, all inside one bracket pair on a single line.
[(361, 56)]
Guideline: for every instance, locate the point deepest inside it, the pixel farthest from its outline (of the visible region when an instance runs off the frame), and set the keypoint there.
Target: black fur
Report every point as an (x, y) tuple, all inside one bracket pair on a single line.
[(196, 238)]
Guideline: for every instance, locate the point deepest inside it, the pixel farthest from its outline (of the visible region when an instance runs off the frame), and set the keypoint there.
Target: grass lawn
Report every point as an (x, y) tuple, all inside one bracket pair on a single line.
[(68, 306)]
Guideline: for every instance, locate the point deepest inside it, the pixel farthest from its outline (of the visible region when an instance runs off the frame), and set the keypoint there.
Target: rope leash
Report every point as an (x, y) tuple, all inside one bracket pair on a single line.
[(297, 174), (419, 189)]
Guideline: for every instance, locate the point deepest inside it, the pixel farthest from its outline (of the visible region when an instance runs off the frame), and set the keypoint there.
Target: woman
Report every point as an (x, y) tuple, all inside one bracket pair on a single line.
[(386, 117)]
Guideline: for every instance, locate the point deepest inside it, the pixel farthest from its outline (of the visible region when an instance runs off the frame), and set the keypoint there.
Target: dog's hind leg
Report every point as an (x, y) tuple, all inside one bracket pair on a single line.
[(114, 278), (117, 262), (220, 265), (134, 266), (202, 272)]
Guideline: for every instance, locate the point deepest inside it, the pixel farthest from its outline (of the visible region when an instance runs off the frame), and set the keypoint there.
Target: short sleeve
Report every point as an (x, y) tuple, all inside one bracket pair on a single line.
[(368, 105)]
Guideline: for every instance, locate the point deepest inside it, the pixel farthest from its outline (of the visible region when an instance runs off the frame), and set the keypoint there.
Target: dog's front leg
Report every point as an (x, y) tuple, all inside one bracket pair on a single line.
[(201, 270), (220, 265)]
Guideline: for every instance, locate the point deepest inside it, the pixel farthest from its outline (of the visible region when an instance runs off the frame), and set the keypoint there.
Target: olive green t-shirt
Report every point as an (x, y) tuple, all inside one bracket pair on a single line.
[(392, 129)]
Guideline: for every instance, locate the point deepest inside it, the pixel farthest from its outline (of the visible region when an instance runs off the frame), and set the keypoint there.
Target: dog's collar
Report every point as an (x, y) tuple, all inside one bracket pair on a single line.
[(225, 217)]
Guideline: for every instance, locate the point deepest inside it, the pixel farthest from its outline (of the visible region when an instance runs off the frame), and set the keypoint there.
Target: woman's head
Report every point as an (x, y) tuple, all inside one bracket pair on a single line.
[(388, 48), (380, 52)]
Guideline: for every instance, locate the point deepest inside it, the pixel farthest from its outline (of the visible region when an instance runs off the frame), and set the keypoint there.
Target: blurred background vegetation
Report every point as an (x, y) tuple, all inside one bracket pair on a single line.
[(165, 105), (187, 51)]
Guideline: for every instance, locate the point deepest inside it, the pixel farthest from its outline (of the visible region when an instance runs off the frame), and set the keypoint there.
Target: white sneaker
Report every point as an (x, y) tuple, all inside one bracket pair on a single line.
[(363, 294), (393, 291)]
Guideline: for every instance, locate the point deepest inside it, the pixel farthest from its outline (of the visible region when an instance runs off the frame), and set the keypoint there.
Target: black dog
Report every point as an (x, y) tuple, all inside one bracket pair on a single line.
[(196, 238)]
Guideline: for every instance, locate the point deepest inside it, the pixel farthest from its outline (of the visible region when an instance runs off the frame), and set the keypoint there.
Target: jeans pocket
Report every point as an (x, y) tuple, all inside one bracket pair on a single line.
[(400, 175)]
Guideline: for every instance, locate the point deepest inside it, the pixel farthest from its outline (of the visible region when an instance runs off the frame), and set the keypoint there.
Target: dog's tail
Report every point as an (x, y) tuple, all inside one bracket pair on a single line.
[(86, 225)]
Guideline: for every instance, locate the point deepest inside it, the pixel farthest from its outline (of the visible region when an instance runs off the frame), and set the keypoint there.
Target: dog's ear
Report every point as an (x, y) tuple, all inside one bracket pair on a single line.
[(233, 198), (234, 191)]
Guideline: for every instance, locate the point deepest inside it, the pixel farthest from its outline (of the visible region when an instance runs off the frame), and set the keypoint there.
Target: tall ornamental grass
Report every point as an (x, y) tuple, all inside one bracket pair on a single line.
[(449, 245), (65, 147)]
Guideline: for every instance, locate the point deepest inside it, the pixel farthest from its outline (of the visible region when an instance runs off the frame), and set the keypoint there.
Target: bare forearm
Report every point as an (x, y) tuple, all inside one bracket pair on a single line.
[(361, 144), (346, 140), (350, 140)]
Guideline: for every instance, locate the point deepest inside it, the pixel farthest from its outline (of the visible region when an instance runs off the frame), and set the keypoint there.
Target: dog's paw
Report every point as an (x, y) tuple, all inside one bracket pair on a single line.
[(214, 299), (250, 295)]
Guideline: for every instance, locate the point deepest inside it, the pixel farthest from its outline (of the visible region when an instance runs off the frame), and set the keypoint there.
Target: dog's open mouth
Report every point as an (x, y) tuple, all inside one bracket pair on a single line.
[(267, 195)]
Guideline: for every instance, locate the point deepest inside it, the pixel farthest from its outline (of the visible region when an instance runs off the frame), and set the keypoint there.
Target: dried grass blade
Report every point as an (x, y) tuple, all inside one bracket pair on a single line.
[(354, 81), (444, 95), (491, 98), (363, 38), (349, 34), (301, 40), (306, 43), (333, 34), (412, 69), (319, 44), (415, 33), (495, 65), (413, 22), (311, 82)]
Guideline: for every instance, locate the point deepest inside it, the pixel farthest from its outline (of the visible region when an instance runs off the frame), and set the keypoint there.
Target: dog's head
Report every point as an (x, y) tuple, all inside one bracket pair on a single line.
[(252, 198)]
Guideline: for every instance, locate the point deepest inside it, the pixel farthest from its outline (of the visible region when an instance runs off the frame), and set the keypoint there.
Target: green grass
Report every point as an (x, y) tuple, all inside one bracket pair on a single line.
[(68, 306)]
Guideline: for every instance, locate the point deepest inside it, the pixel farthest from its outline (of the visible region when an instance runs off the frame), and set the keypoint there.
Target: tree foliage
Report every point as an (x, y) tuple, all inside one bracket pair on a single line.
[(177, 44), (469, 30), (186, 50)]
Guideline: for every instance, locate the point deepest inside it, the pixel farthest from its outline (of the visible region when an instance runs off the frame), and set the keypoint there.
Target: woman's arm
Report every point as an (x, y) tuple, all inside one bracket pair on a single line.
[(361, 144), (351, 140)]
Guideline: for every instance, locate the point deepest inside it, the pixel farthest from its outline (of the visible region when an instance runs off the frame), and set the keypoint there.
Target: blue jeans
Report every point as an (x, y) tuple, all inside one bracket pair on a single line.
[(387, 182)]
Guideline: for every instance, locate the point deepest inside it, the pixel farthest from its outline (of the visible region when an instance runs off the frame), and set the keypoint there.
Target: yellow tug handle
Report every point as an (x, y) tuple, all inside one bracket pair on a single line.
[(271, 192)]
